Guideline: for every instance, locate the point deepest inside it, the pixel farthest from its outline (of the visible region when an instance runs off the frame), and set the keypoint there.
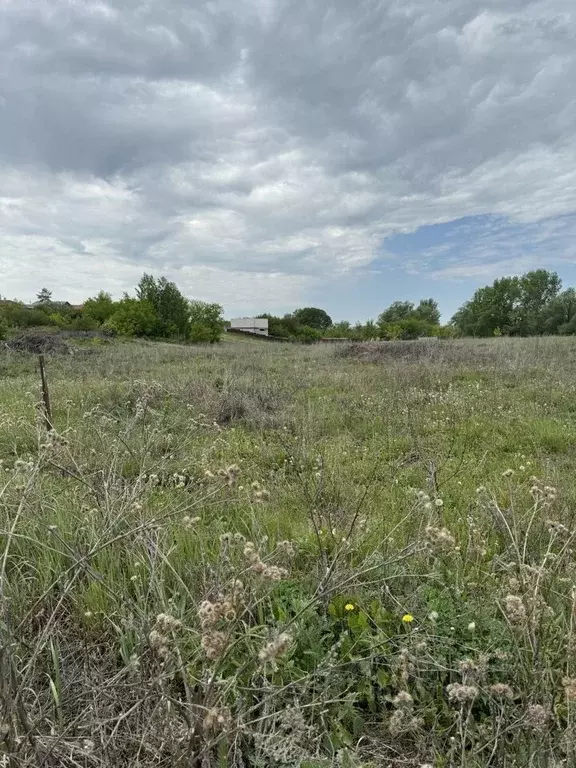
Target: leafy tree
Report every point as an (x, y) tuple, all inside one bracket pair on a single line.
[(99, 308), (537, 290), (44, 296), (370, 330), (390, 331), (491, 307), (402, 320), (428, 310), (408, 329), (313, 318), (170, 305), (133, 317), (559, 315), (398, 310), (511, 305), (206, 322), (341, 330)]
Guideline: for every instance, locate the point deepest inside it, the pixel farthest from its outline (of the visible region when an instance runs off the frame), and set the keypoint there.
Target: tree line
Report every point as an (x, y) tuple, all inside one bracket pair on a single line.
[(401, 320), (531, 304), (522, 305), (159, 310)]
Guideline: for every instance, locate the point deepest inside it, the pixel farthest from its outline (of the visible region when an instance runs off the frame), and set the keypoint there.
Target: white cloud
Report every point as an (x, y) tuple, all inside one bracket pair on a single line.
[(249, 148)]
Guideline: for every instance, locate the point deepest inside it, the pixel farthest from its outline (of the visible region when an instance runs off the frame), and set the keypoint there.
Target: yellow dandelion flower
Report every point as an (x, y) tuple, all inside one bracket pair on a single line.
[(407, 618), (349, 607)]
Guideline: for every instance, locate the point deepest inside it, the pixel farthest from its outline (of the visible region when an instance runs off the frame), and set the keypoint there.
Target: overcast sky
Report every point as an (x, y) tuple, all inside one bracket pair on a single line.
[(269, 154)]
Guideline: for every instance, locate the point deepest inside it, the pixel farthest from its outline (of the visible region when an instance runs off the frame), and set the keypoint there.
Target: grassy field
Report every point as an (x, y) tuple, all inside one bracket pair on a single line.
[(260, 555)]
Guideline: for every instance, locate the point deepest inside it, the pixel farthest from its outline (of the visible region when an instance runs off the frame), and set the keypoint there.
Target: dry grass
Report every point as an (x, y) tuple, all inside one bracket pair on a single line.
[(258, 555)]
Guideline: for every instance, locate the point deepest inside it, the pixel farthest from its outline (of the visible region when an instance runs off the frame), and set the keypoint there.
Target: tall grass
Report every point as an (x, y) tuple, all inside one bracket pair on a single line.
[(259, 555)]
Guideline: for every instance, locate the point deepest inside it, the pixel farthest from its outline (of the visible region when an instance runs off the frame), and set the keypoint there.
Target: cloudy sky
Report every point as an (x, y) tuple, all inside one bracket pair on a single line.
[(269, 154)]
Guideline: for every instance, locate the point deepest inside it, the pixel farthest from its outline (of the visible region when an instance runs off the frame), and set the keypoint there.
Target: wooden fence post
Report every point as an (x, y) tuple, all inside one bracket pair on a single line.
[(45, 395)]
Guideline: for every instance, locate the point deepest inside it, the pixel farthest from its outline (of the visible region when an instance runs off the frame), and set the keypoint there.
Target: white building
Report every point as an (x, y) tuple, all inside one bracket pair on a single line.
[(258, 325)]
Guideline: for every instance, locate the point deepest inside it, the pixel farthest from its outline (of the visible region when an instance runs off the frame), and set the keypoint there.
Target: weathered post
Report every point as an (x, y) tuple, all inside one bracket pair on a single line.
[(45, 395)]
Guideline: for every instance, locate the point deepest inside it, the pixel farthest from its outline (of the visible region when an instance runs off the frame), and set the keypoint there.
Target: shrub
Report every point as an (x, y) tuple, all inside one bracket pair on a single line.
[(200, 334), (99, 308), (59, 320), (19, 316), (133, 317), (206, 322), (308, 335), (84, 323)]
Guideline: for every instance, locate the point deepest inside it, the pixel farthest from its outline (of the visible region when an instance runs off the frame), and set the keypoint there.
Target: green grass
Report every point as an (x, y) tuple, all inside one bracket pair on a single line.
[(125, 638)]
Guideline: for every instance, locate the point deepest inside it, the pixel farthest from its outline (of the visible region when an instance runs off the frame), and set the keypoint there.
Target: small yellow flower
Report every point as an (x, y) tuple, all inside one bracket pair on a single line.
[(407, 618), (349, 607)]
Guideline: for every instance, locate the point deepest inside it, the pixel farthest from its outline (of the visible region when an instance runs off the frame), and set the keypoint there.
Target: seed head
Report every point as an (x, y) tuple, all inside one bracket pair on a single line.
[(275, 648), (440, 538), (459, 693), (515, 609), (403, 699), (501, 691), (214, 644), (537, 716), (569, 684)]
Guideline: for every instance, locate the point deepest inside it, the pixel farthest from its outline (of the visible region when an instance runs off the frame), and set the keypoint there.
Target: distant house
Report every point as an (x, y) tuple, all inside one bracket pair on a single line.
[(257, 325)]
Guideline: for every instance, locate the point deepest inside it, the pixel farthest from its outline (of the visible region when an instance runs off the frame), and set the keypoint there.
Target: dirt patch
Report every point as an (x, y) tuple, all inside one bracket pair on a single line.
[(39, 344)]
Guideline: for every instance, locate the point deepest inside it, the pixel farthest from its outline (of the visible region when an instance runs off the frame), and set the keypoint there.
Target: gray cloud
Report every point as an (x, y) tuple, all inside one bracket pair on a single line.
[(247, 148)]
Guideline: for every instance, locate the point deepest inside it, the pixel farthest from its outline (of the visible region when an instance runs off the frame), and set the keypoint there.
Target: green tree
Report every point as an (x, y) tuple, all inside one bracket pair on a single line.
[(206, 321), (133, 317), (514, 306), (44, 296), (428, 310), (409, 329), (313, 317), (170, 305), (413, 321), (341, 330), (398, 310), (559, 315), (494, 306), (99, 308), (369, 330), (537, 289)]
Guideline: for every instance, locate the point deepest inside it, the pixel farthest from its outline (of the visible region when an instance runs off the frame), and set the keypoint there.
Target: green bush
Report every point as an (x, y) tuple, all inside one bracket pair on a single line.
[(133, 317), (200, 334), (19, 316), (84, 323), (206, 322), (59, 320), (99, 308), (308, 335)]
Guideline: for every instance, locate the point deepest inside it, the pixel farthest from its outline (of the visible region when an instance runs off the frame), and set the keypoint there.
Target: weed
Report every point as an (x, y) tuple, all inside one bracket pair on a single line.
[(277, 555)]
